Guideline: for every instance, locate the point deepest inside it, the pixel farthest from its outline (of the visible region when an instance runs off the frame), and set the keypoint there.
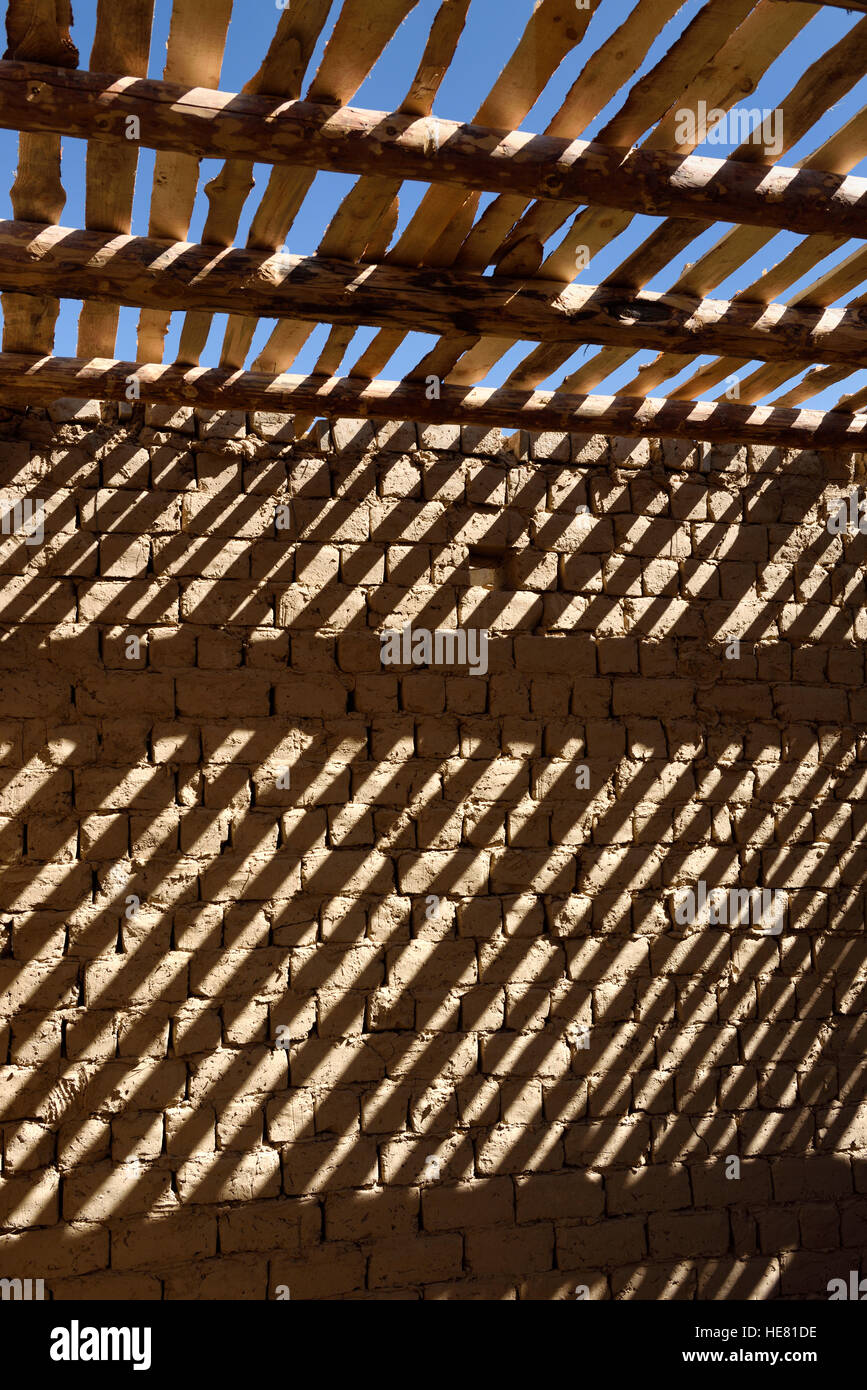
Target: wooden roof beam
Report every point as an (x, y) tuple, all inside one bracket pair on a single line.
[(211, 124), (223, 389), (37, 259)]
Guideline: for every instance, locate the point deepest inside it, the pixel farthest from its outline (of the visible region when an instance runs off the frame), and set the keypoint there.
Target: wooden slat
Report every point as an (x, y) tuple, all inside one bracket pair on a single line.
[(638, 385), (860, 5), (38, 31), (606, 73), (366, 220), (840, 153), (856, 400), (552, 31), (397, 146), (439, 50), (145, 273), (194, 58), (708, 376), (589, 374), (816, 380), (838, 281), (414, 284), (36, 34), (603, 74), (360, 35), (714, 45), (369, 212), (669, 365), (715, 42), (766, 378), (111, 169), (723, 81), (219, 388), (825, 82), (29, 321), (280, 75), (442, 358)]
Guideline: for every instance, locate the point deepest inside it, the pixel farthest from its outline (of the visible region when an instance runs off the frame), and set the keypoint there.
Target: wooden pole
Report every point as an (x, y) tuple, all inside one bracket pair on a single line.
[(219, 389), (212, 124), (38, 259)]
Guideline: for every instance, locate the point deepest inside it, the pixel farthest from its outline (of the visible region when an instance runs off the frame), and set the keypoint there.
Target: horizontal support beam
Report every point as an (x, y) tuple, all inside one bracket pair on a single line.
[(223, 125), (219, 389), (138, 271)]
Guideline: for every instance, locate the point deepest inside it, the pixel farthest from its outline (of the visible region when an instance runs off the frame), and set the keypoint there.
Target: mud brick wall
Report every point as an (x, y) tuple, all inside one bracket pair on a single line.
[(510, 1071)]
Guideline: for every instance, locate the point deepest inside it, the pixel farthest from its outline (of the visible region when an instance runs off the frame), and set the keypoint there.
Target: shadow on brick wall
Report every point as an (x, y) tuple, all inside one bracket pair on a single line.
[(509, 1072)]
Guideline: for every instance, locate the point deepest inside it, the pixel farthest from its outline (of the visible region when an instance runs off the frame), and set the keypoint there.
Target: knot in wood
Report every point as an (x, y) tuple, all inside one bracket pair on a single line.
[(630, 311)]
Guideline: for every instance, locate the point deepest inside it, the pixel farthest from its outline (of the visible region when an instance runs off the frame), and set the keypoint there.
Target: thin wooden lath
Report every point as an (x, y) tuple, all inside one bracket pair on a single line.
[(359, 37), (194, 57), (281, 75), (111, 169), (821, 86), (744, 54)]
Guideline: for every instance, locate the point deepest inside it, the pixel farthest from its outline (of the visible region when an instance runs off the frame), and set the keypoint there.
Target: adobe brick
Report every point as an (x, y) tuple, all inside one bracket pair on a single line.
[(471, 1204), (232, 1277), (517, 1251), (38, 1254), (811, 1178), (602, 1245), (549, 1196), (324, 1273), (673, 1234), (652, 1189)]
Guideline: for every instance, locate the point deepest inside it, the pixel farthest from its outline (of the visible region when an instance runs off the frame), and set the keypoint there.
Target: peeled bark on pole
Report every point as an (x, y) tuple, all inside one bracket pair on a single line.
[(304, 134), (48, 378), (144, 273)]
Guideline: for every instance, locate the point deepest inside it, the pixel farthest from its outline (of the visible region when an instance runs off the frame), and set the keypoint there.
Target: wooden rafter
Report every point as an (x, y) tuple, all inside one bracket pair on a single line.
[(220, 388), (729, 46), (194, 56), (111, 169), (150, 274), (398, 146)]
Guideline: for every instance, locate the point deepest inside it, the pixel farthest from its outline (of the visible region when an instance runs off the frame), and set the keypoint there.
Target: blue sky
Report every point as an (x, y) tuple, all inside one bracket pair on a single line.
[(492, 32)]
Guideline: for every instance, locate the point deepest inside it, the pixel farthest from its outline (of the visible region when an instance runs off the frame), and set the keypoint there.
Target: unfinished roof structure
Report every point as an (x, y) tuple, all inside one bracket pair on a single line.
[(560, 200), (432, 864)]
